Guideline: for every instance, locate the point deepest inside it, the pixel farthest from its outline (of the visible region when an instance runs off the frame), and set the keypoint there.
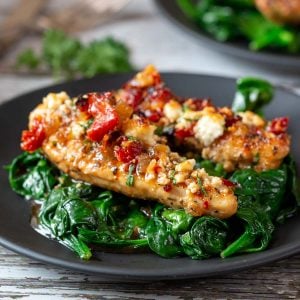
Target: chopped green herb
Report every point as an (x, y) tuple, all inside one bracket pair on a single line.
[(256, 159), (185, 108), (159, 130), (131, 138), (172, 176), (87, 124), (201, 186), (191, 120), (130, 177)]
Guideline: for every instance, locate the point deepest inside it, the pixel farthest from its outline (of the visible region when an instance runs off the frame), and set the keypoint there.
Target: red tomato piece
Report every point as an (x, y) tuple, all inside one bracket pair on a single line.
[(103, 124), (184, 133), (153, 116), (197, 103), (33, 139), (132, 96), (167, 188), (156, 79), (279, 125), (161, 93), (205, 204), (99, 103), (82, 103), (128, 151), (228, 182), (232, 120)]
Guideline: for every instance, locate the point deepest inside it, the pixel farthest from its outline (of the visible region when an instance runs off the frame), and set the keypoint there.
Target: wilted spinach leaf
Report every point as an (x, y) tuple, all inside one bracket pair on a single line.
[(32, 175), (267, 188), (161, 238), (206, 238), (258, 229), (252, 94)]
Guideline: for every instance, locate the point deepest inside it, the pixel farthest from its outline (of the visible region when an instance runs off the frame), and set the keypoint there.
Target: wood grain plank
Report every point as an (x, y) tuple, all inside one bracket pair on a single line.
[(20, 277)]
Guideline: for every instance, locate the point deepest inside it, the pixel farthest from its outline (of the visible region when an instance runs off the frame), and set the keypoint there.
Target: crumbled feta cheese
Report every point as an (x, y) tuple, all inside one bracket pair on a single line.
[(191, 115), (199, 173), (142, 132), (183, 123), (162, 179), (172, 110), (53, 101), (193, 187), (181, 177), (209, 127), (77, 130)]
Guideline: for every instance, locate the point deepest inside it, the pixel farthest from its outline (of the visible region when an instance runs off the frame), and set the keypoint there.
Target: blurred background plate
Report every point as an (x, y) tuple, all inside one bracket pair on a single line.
[(173, 13)]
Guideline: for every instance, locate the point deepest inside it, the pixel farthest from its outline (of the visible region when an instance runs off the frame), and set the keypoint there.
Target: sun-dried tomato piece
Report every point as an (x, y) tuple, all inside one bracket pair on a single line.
[(103, 124), (32, 139), (94, 103), (197, 104), (160, 93), (167, 188), (128, 150), (205, 204), (184, 133), (82, 103), (228, 182), (153, 115), (279, 125), (132, 96), (99, 103), (229, 121)]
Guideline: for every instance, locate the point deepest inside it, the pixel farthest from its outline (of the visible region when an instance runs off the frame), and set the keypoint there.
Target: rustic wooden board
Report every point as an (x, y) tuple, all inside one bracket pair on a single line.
[(21, 277)]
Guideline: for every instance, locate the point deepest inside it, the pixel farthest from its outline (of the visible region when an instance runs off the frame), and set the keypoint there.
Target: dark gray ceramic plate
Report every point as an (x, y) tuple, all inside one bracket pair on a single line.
[(238, 49), (17, 235)]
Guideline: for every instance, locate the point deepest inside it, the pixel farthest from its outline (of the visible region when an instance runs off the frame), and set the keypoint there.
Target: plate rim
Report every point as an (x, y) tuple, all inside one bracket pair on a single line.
[(248, 260)]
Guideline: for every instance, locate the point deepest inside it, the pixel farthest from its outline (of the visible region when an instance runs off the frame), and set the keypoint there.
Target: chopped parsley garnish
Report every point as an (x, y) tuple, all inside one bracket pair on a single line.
[(185, 108), (130, 177), (87, 124), (159, 131), (131, 138), (201, 186), (172, 177), (256, 159)]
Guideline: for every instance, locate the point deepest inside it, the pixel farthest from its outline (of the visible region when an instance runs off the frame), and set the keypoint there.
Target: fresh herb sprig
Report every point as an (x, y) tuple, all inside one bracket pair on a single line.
[(66, 57)]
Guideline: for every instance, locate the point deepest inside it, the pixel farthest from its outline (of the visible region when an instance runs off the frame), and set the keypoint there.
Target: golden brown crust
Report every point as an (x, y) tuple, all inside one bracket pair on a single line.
[(236, 141), (160, 174)]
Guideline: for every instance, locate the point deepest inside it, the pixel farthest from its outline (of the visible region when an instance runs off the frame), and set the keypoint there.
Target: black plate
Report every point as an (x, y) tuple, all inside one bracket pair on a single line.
[(17, 235), (238, 49)]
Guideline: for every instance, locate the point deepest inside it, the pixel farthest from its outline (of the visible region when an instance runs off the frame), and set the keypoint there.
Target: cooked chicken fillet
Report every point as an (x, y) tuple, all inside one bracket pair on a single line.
[(99, 140), (281, 11), (234, 140)]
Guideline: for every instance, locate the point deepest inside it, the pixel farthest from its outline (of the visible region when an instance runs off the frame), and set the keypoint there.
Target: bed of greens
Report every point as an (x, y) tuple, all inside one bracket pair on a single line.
[(239, 20), (85, 218)]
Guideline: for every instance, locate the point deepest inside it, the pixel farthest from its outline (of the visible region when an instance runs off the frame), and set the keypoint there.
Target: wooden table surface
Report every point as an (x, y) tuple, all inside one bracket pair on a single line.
[(21, 277)]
